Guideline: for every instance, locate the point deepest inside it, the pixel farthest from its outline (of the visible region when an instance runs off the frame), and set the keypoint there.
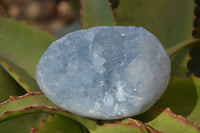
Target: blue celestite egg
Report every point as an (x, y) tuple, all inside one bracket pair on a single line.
[(106, 72)]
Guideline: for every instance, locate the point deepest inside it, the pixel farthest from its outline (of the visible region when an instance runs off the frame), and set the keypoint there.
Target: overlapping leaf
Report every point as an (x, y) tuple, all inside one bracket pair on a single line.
[(170, 20), (20, 76), (194, 116), (33, 103), (126, 126), (21, 46), (8, 86), (96, 13), (59, 124), (160, 18), (182, 97), (179, 55), (168, 122), (22, 124)]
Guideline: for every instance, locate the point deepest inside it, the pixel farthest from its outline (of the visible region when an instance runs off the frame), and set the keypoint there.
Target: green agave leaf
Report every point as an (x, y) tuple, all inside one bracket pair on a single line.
[(22, 124), (179, 62), (160, 17), (76, 6), (176, 48), (136, 124), (170, 20), (168, 122), (179, 55), (180, 96), (126, 126), (183, 97), (59, 124), (149, 115), (96, 13), (29, 99), (21, 47), (195, 114), (34, 103), (24, 80), (139, 125), (8, 87)]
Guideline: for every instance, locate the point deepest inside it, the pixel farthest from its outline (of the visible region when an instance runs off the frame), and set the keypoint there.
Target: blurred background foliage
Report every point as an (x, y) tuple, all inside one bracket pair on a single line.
[(48, 15), (172, 21)]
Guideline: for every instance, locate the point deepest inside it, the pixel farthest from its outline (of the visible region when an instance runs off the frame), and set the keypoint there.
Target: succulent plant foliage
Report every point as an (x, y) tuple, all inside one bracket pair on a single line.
[(24, 107)]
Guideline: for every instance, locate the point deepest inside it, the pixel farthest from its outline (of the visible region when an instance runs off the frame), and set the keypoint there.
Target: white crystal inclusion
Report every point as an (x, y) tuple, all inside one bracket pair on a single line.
[(105, 72)]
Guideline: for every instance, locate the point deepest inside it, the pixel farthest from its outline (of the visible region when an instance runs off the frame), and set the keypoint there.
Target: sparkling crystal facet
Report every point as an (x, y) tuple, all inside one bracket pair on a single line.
[(105, 72)]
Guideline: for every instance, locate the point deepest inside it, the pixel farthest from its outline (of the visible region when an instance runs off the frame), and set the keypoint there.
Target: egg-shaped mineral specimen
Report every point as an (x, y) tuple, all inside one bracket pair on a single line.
[(105, 72)]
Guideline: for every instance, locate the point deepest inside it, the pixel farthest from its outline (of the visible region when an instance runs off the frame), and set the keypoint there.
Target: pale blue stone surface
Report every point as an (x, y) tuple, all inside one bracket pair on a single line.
[(105, 72)]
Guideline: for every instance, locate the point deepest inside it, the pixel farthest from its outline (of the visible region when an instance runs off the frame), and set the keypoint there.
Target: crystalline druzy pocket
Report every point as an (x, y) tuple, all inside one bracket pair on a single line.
[(105, 72)]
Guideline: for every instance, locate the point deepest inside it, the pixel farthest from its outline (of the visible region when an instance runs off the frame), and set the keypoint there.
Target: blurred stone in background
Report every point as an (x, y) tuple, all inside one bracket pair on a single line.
[(47, 15)]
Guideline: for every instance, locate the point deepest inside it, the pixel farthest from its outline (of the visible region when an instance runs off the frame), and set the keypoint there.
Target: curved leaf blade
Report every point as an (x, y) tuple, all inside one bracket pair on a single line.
[(22, 45), (58, 124), (179, 62), (96, 13), (37, 103), (22, 124), (195, 114), (24, 80), (177, 47), (160, 18), (179, 56), (8, 87), (169, 21), (168, 122), (180, 96), (120, 127), (139, 125)]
